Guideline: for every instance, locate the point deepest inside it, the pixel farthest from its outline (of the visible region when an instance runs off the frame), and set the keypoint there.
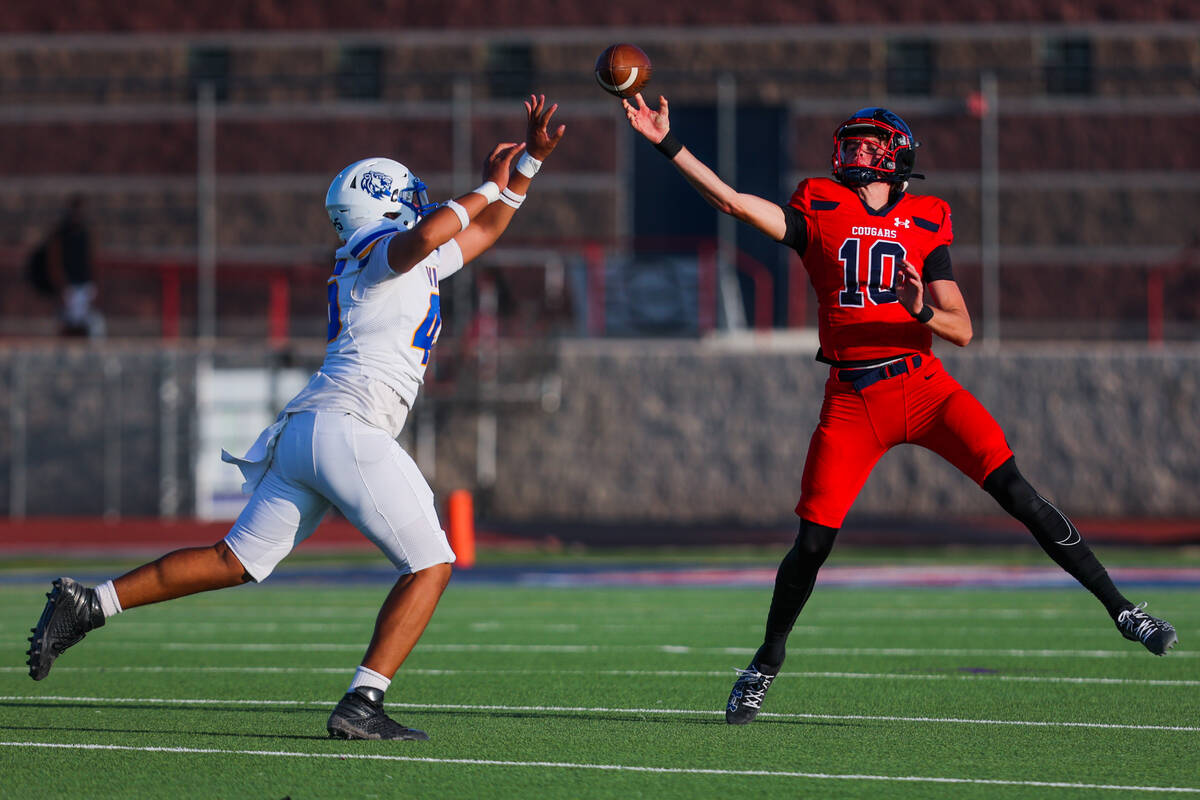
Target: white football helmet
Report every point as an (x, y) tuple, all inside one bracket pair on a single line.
[(369, 190)]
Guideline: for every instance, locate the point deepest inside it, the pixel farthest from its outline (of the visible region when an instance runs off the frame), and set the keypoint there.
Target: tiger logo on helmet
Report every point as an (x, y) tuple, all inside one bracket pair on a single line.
[(376, 184), (373, 189)]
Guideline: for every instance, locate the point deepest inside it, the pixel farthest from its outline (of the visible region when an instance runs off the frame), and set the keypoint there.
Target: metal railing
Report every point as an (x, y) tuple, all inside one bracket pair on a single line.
[(195, 275)]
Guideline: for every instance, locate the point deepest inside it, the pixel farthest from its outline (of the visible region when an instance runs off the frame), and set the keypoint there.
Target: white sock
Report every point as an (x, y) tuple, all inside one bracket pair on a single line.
[(107, 594), (369, 678)]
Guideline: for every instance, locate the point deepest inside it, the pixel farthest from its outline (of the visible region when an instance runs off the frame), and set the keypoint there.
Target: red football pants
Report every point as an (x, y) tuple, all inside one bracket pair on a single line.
[(924, 407)]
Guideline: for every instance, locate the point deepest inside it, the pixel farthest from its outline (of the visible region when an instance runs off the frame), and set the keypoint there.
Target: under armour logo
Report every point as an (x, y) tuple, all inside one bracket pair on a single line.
[(901, 223)]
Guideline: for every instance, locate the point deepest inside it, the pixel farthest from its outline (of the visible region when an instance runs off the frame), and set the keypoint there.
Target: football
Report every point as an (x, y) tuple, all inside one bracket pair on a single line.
[(623, 70)]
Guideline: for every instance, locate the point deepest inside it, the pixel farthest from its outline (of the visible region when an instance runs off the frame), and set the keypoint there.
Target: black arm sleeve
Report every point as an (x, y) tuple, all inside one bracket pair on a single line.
[(795, 235), (937, 265)]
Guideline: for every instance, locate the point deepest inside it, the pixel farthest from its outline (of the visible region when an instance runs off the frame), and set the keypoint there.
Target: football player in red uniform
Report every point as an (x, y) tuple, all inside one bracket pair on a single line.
[(878, 258)]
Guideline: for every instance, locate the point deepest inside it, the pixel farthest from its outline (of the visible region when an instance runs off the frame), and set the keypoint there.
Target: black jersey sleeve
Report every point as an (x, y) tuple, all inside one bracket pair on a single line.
[(795, 234), (937, 265)]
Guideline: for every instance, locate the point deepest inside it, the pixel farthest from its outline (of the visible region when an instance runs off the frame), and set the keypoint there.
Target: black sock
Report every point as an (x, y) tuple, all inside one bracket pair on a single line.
[(1054, 532), (793, 585)]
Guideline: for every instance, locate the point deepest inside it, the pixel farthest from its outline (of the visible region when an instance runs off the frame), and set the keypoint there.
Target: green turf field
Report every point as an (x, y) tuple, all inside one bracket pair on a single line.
[(535, 692)]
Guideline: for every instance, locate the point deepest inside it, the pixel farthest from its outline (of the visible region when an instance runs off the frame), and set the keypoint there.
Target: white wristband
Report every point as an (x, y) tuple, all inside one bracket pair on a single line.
[(489, 190), (511, 198), (528, 166), (464, 219)]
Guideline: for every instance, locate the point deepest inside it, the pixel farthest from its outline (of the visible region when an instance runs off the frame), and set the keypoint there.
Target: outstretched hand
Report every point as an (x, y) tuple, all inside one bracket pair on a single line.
[(910, 289), (541, 142), (654, 125), (499, 163)]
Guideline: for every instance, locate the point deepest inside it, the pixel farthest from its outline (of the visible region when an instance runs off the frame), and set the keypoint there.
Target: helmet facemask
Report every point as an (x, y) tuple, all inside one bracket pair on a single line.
[(416, 198)]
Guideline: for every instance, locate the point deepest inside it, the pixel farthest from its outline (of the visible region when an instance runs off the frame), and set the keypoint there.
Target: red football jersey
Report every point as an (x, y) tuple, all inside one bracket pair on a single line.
[(853, 258)]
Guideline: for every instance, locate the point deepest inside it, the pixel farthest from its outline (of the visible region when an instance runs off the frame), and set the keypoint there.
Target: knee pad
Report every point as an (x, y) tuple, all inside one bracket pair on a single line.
[(1014, 494), (814, 541)]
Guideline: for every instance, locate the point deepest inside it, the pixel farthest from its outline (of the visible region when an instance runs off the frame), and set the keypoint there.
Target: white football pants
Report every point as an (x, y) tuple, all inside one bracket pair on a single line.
[(331, 458)]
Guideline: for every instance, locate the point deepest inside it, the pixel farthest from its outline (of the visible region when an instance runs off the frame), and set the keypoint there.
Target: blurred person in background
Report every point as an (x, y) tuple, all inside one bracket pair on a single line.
[(879, 261), (335, 442), (61, 266)]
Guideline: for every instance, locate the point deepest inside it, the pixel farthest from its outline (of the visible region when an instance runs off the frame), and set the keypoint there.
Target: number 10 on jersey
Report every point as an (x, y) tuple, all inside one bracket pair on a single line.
[(879, 289)]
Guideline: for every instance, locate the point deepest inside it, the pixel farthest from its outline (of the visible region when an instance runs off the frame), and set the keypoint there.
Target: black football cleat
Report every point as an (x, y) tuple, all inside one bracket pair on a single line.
[(71, 611), (1156, 634), (360, 715), (748, 692)]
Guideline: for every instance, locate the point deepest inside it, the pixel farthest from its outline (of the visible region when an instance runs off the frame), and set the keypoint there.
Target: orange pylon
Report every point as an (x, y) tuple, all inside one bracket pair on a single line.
[(460, 524)]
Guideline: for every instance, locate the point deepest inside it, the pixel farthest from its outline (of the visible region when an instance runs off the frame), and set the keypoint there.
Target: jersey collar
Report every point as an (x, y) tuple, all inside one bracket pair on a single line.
[(882, 212), (362, 240)]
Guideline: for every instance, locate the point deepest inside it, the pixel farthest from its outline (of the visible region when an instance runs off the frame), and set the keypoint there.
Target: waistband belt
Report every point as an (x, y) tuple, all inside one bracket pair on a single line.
[(862, 378)]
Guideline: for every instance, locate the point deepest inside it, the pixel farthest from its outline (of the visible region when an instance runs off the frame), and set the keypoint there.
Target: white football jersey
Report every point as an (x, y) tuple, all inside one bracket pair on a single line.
[(382, 329)]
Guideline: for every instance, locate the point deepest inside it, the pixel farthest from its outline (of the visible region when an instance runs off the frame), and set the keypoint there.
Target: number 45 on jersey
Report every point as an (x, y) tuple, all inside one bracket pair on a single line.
[(424, 337), (426, 334)]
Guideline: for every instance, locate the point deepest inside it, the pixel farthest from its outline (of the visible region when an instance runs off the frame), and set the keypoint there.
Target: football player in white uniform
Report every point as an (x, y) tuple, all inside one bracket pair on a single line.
[(335, 443)]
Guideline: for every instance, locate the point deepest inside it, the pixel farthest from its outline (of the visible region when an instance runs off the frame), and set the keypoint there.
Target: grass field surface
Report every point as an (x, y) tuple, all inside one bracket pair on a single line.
[(610, 692)]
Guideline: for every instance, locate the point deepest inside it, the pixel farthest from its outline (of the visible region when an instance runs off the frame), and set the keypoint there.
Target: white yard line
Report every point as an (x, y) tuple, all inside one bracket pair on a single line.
[(237, 614), (155, 628), (612, 767), (595, 710), (151, 629), (643, 673), (1131, 652)]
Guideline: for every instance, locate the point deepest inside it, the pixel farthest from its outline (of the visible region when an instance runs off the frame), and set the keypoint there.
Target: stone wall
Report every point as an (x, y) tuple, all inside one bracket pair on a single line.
[(700, 433), (652, 432)]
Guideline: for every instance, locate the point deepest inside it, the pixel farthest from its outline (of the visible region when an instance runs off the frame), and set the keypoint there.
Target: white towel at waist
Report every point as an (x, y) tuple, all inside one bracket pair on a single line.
[(257, 460)]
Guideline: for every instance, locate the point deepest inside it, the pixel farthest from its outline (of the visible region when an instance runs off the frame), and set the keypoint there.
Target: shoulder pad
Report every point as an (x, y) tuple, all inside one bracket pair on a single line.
[(932, 214), (362, 240), (818, 194)]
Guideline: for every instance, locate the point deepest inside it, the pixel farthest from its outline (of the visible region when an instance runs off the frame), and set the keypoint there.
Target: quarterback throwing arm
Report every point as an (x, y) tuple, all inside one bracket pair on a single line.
[(907, 284)]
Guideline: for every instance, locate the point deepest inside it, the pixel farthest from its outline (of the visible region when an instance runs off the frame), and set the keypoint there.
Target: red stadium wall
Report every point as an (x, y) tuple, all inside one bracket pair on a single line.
[(153, 16), (143, 537)]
